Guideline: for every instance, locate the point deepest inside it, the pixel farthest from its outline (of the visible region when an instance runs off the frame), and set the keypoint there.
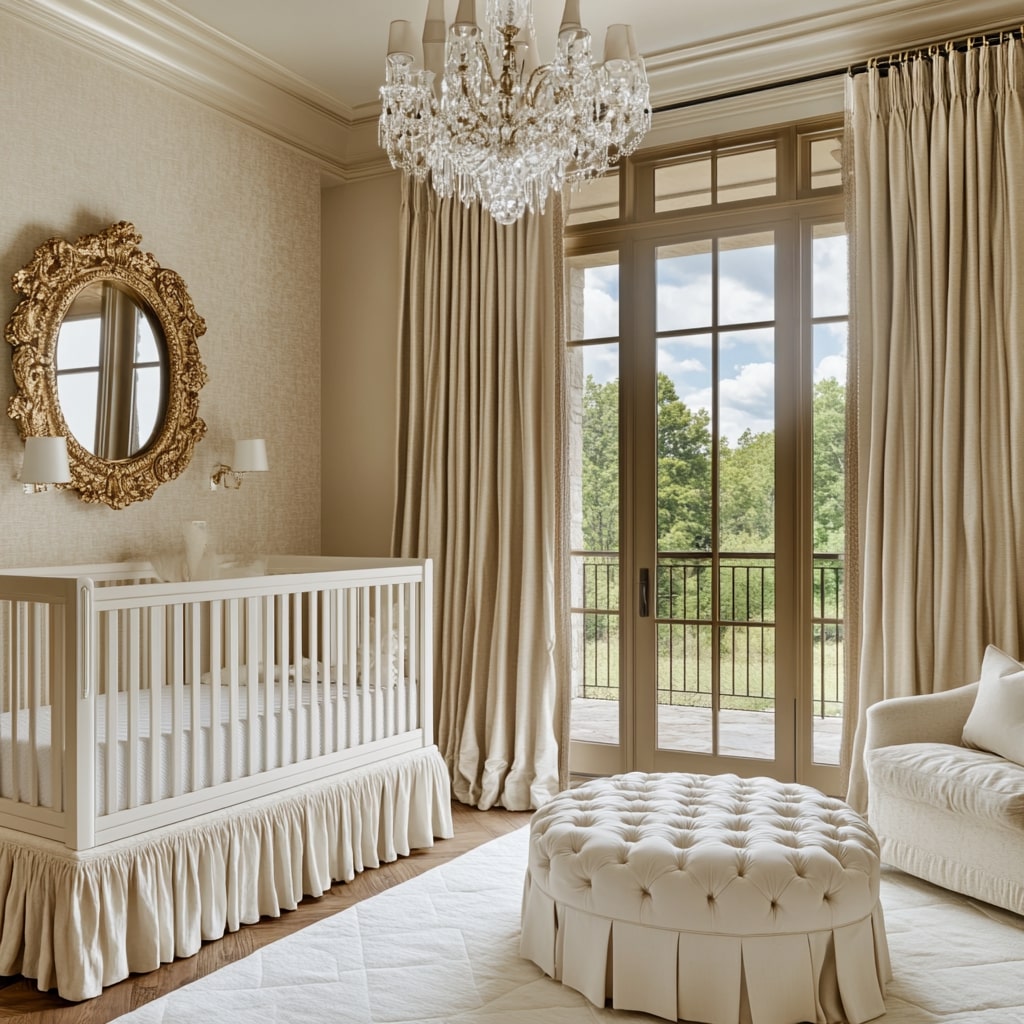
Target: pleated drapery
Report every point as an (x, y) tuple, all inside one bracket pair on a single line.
[(937, 425), (479, 488)]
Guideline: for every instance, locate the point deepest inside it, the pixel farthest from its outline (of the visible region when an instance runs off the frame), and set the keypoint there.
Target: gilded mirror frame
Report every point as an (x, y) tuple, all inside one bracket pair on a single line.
[(58, 271)]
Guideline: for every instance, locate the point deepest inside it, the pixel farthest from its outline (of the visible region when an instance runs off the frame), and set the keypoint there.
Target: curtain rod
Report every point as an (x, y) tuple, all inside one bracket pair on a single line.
[(697, 101), (859, 68), (939, 49)]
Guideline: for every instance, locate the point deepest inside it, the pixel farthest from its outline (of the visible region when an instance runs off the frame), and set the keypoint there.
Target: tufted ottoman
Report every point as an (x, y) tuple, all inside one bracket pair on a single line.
[(708, 898)]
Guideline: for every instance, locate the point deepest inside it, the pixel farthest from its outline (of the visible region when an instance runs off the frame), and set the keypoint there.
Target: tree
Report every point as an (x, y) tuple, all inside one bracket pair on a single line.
[(746, 488), (829, 465), (684, 472), (600, 465)]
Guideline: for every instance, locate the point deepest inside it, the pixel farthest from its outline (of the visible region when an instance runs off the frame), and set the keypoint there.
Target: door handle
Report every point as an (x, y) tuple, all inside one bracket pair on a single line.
[(645, 585)]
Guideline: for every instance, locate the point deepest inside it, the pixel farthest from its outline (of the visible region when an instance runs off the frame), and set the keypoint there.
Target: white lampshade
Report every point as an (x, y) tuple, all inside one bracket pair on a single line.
[(250, 456), (402, 42), (570, 17), (46, 461), (620, 44), (466, 15)]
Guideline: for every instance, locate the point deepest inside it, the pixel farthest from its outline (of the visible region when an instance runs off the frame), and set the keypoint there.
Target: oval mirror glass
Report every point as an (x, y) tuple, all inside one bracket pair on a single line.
[(111, 370)]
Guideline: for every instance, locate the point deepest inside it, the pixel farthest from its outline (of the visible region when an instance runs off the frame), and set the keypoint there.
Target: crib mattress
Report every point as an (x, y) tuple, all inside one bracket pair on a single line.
[(298, 728)]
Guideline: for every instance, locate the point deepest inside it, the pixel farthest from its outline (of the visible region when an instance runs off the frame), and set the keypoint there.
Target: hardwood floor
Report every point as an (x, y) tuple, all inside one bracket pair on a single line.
[(19, 997)]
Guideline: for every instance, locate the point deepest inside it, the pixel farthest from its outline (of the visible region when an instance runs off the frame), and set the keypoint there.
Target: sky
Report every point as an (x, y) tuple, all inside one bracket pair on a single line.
[(746, 355)]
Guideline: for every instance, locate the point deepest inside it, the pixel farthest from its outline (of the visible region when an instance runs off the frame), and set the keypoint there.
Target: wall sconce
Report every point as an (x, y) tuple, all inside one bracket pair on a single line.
[(45, 464), (250, 457)]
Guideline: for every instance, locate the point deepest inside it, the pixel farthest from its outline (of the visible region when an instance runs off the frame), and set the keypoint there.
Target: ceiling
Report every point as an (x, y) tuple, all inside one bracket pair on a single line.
[(308, 71), (339, 46)]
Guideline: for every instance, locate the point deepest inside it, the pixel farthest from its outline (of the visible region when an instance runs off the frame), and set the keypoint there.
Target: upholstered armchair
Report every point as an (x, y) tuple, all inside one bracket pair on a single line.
[(946, 786)]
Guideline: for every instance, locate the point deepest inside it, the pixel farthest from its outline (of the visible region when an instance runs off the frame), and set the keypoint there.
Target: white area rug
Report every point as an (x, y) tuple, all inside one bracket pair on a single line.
[(442, 947)]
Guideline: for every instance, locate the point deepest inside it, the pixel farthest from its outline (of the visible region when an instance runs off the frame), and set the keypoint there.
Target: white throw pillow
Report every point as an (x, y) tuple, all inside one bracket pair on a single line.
[(996, 722)]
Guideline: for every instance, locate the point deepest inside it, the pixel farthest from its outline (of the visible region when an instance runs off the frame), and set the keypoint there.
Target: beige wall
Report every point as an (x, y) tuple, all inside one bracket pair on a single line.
[(360, 324), (238, 217)]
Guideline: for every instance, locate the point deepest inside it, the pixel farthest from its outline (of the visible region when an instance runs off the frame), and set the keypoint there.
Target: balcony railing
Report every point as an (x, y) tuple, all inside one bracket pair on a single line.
[(687, 627)]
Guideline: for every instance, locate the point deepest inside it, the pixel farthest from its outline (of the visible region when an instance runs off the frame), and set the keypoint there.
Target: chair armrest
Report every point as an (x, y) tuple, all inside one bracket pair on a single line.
[(923, 718)]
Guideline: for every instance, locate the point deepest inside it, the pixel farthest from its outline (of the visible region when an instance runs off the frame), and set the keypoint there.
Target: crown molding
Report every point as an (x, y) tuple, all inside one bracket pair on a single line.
[(803, 101), (159, 41), (811, 46), (162, 43)]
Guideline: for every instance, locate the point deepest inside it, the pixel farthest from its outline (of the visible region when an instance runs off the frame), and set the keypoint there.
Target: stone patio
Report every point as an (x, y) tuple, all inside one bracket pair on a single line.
[(741, 733)]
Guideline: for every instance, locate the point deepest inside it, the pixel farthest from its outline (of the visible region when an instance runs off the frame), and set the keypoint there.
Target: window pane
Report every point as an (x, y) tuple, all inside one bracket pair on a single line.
[(746, 404), (593, 457), (682, 186), (595, 200), (684, 443), (746, 175), (684, 286), (145, 343), (746, 279), (592, 296), (147, 405), (829, 432), (77, 393), (78, 343), (830, 274), (826, 163)]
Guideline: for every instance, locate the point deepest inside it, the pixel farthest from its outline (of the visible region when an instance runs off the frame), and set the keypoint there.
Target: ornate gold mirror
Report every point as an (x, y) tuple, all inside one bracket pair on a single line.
[(105, 355)]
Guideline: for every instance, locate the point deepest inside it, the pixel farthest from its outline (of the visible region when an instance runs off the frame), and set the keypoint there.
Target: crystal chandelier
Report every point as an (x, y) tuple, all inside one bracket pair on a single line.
[(489, 124)]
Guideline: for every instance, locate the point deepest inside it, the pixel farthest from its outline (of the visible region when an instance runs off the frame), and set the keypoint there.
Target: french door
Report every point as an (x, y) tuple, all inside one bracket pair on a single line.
[(707, 373)]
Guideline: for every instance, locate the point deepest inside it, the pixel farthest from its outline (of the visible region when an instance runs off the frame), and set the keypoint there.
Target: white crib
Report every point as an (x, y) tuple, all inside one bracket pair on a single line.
[(177, 759)]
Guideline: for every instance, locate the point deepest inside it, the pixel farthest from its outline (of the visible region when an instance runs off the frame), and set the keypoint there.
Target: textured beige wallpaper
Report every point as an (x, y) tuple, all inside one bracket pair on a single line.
[(238, 217), (362, 277)]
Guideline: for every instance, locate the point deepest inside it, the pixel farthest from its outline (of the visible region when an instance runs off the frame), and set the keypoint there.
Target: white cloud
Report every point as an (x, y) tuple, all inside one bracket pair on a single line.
[(673, 367), (831, 366), (746, 402), (831, 276), (740, 304), (600, 314), (601, 362), (681, 307)]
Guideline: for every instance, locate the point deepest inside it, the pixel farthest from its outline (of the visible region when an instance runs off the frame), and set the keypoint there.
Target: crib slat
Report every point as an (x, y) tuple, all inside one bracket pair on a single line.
[(193, 669), (216, 660), (176, 630), (134, 682), (338, 631), (380, 674), (365, 676), (413, 658), (313, 618), (352, 667), (296, 674), (324, 634), (156, 662), (20, 646), (401, 686), (252, 678), (37, 651), (284, 634), (55, 696), (232, 652), (107, 706), (269, 755), (389, 661)]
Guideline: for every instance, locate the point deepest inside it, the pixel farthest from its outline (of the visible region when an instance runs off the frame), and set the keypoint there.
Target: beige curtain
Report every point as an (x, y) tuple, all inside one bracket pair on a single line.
[(937, 234), (479, 488)]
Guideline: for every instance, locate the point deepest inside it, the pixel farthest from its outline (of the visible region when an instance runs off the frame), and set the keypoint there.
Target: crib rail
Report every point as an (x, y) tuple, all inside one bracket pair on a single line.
[(126, 704)]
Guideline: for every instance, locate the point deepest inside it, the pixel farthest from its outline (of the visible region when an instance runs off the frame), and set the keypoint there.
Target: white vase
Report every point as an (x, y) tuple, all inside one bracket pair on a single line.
[(196, 550)]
